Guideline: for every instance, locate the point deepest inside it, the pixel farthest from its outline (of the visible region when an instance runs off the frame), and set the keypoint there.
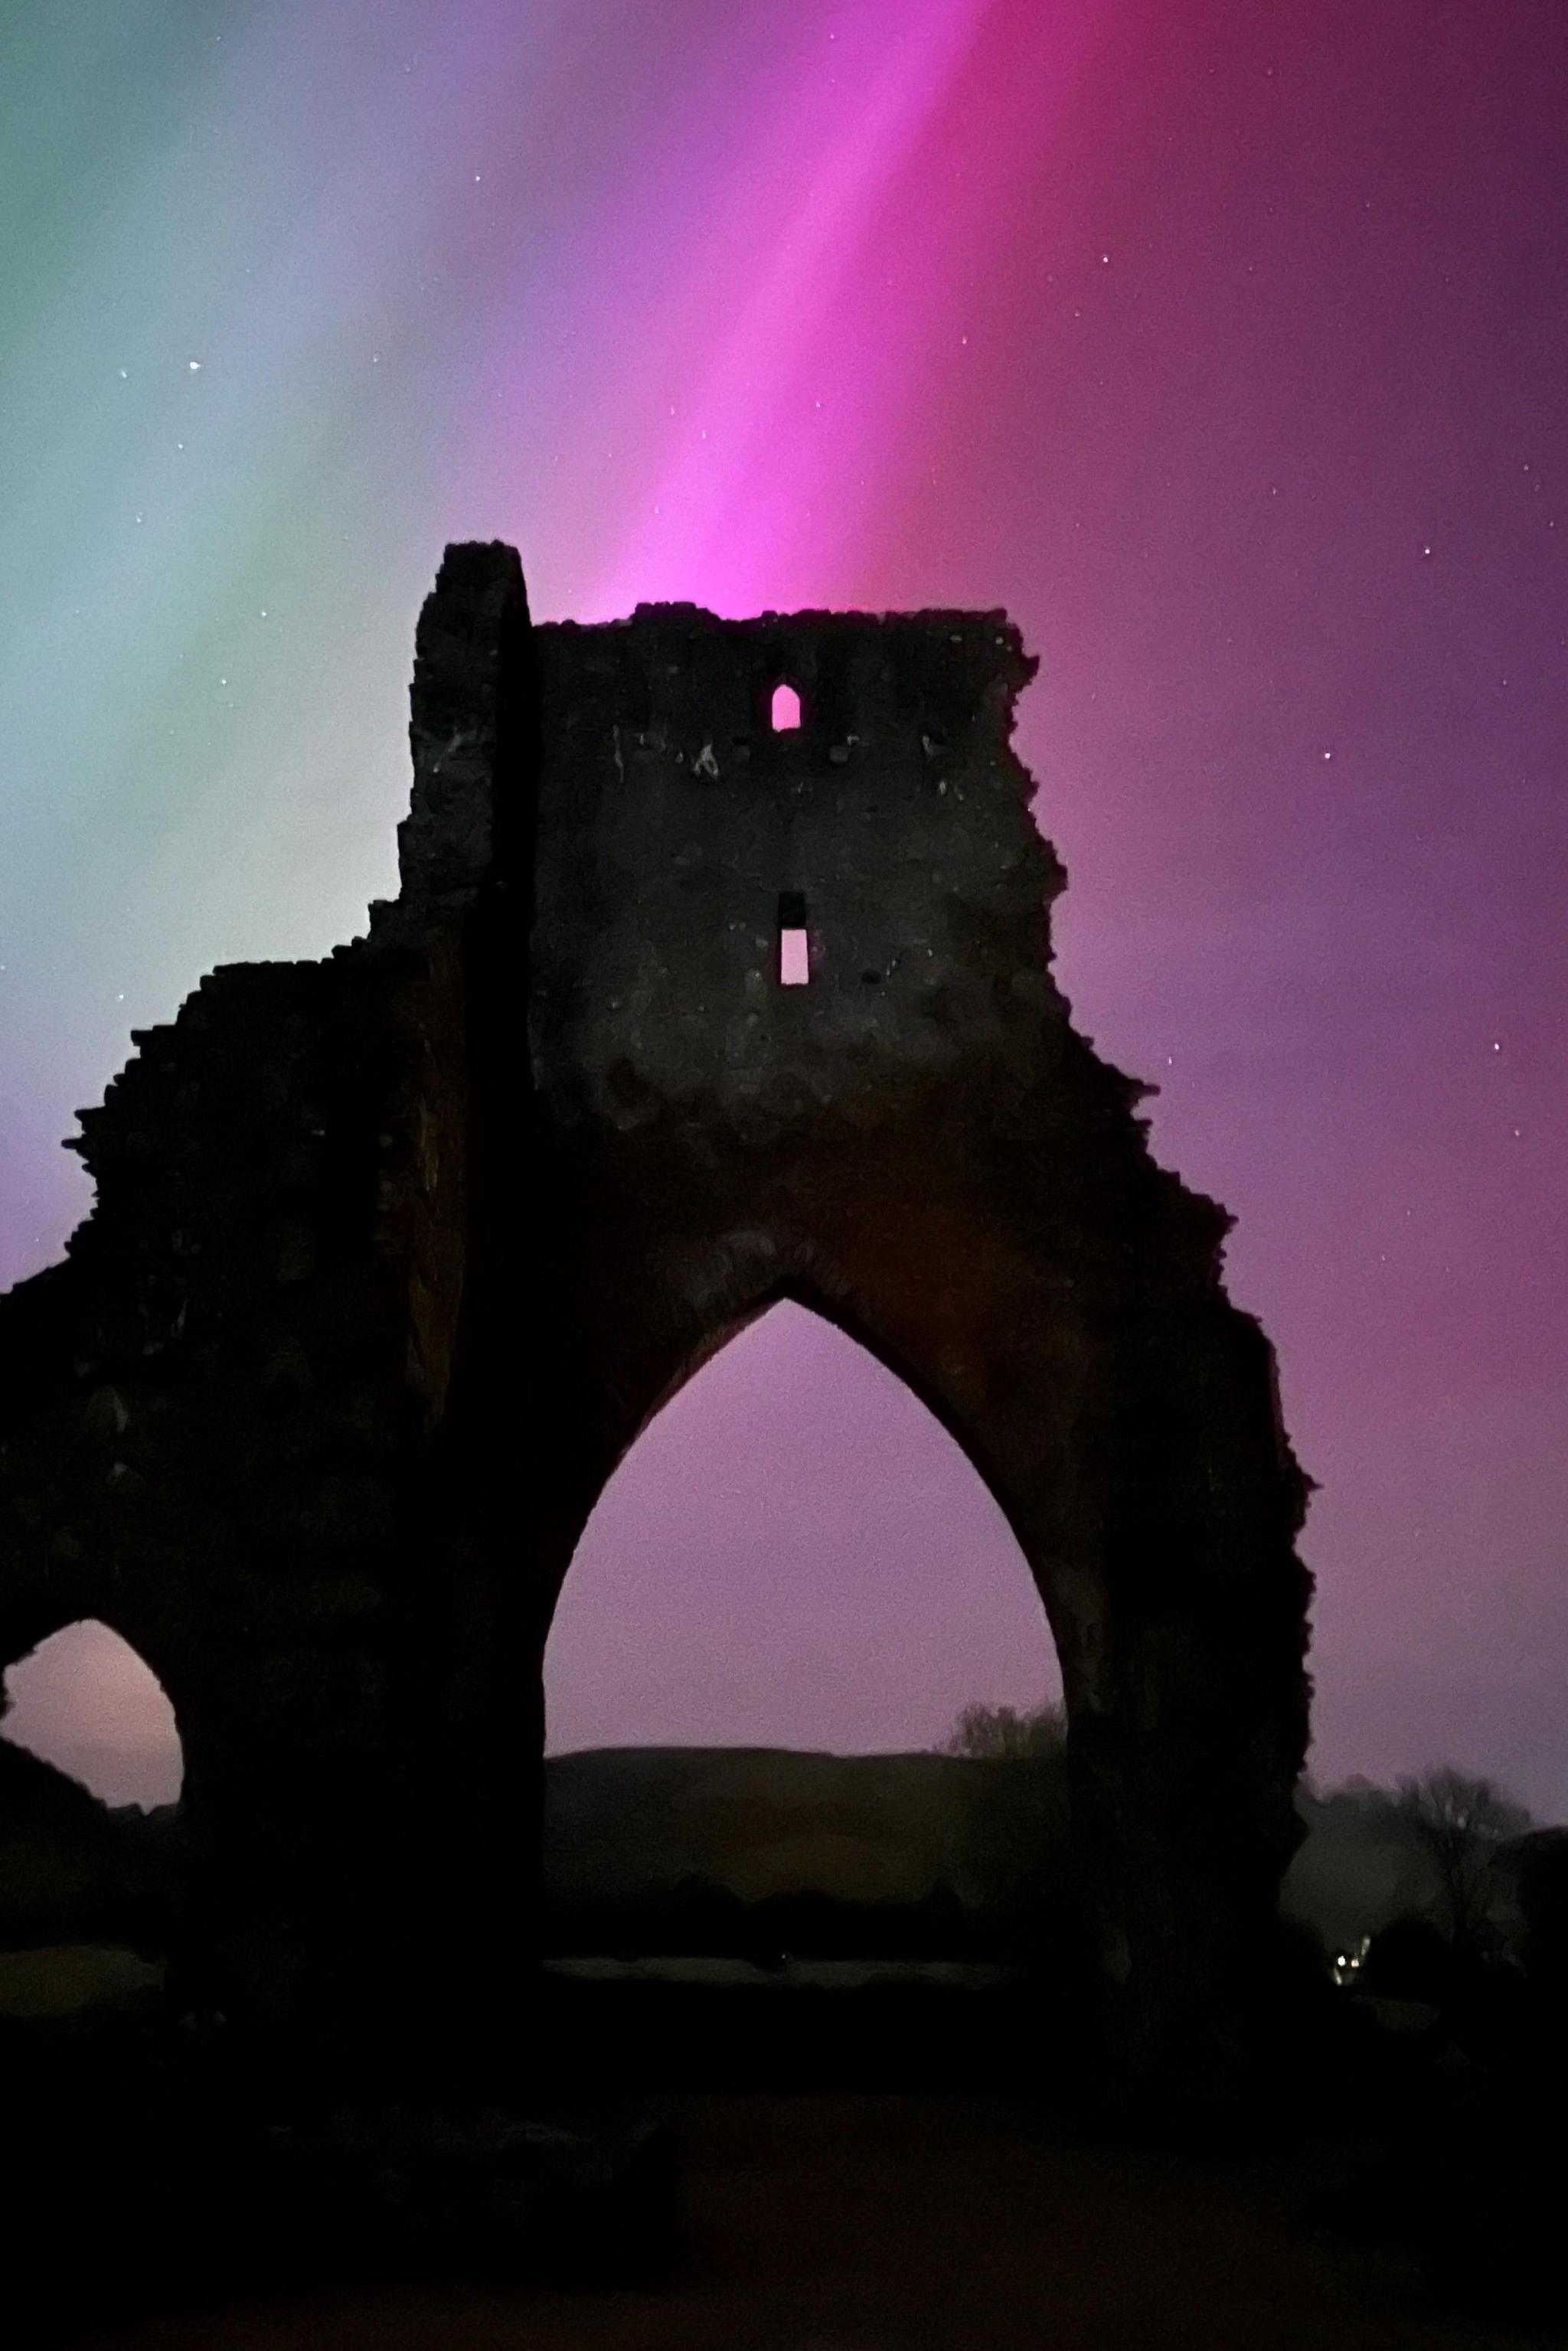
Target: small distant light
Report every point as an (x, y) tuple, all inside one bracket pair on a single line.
[(194, 366)]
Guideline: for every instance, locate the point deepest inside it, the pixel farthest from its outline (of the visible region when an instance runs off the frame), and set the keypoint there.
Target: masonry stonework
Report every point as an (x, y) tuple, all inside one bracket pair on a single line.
[(393, 1255)]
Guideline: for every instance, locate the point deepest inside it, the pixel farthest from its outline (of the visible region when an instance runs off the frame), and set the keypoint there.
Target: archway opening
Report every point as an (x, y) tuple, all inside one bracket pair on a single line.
[(791, 1590), (86, 1703), (92, 1838)]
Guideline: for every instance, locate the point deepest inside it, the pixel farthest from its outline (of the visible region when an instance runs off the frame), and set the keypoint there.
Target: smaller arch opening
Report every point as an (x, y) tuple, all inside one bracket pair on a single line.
[(784, 711), (92, 1846), (84, 1701)]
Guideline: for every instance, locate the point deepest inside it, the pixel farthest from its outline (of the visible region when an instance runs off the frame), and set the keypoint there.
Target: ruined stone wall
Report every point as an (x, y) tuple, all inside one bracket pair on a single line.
[(393, 1254), (218, 1473), (918, 1144), (673, 819), (220, 1417)]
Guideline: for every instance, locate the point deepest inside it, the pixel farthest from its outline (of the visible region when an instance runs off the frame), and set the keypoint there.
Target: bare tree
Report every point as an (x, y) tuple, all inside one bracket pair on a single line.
[(1002, 1733), (1016, 1843), (1461, 1823)]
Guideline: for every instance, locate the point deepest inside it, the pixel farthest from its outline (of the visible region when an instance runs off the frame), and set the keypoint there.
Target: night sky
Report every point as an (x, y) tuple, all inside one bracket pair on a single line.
[(1223, 344)]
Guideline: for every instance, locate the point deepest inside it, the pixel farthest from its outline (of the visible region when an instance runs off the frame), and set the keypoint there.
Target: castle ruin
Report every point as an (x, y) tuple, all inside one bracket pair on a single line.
[(678, 1013)]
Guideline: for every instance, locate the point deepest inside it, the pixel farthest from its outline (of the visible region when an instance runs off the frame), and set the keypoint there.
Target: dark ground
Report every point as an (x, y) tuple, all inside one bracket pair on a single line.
[(876, 2222), (853, 2177)]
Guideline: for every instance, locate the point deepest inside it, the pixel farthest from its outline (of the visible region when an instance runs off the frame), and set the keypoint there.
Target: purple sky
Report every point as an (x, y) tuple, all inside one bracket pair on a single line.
[(1223, 344)]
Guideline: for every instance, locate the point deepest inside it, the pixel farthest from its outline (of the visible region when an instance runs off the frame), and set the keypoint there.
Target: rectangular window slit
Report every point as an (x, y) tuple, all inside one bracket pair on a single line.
[(794, 943)]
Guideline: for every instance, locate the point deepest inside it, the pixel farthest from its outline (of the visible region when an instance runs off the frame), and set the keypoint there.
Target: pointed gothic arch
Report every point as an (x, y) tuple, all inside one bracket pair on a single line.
[(754, 1460)]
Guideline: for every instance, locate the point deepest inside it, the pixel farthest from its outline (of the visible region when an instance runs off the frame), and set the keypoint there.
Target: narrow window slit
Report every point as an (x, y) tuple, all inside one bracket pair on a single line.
[(794, 943)]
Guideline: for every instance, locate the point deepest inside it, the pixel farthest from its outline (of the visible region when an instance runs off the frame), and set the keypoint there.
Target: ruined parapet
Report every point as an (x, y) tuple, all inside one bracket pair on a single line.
[(471, 723)]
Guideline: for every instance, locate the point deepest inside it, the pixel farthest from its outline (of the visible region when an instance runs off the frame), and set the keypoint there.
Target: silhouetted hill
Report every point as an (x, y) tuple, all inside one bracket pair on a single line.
[(74, 1869), (755, 1849), (627, 1821)]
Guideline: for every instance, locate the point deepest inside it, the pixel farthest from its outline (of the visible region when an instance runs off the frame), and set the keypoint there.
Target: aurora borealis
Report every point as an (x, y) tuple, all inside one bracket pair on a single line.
[(1221, 345)]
